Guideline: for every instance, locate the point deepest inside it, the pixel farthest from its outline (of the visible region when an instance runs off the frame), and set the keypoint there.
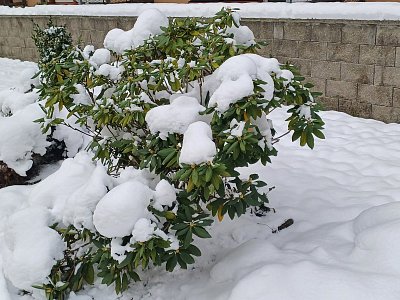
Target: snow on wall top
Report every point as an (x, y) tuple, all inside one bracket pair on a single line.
[(351, 11)]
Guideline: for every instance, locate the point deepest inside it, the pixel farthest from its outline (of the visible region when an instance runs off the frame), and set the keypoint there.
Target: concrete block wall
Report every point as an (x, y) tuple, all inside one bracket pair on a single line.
[(355, 64)]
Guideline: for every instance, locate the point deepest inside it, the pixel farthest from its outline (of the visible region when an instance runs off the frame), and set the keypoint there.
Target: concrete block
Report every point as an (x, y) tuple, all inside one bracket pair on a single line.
[(343, 52), (388, 35), (341, 89), (3, 32), (312, 50), (101, 24), (377, 55), (4, 41), (85, 37), (61, 20), (328, 103), (16, 42), (397, 62), (75, 24), (76, 36), (88, 23), (6, 51), (266, 30), (386, 114), (319, 84), (379, 95), (41, 21), (297, 31), (111, 23), (285, 48), (126, 23), (278, 31), (303, 65), (378, 75), (359, 34), (262, 30), (16, 52), (357, 73), (396, 97), (266, 50), (356, 109), (29, 43), (326, 32), (97, 38), (325, 69), (389, 76)]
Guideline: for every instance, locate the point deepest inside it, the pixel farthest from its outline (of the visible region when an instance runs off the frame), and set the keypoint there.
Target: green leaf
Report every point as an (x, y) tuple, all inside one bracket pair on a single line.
[(318, 133), (201, 232), (192, 249), (209, 174), (303, 138), (188, 238), (186, 258), (195, 176), (89, 274), (296, 135), (310, 140), (171, 263), (128, 259)]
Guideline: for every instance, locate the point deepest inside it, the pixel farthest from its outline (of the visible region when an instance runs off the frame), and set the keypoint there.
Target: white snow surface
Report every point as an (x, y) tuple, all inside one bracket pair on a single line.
[(20, 136), (343, 197), (174, 117), (148, 24), (30, 247), (197, 146), (118, 211), (352, 11), (234, 79), (164, 195)]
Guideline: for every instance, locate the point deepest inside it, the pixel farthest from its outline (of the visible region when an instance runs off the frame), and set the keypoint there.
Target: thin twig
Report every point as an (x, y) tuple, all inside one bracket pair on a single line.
[(277, 139)]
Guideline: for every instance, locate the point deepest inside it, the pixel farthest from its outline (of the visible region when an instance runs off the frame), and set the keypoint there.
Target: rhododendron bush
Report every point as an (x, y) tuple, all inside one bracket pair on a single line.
[(170, 109)]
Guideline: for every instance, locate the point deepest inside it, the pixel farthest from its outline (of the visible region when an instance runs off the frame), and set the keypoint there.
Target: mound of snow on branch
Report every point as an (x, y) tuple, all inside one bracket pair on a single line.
[(148, 24), (20, 136), (233, 80), (197, 146), (117, 212), (174, 117), (30, 247)]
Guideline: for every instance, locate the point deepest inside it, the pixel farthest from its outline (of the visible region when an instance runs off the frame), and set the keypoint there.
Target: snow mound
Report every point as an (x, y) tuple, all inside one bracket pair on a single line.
[(100, 57), (148, 24), (12, 198), (117, 212), (234, 79), (377, 234), (197, 146), (174, 117), (311, 281), (164, 195), (13, 100), (31, 248), (80, 205), (20, 138)]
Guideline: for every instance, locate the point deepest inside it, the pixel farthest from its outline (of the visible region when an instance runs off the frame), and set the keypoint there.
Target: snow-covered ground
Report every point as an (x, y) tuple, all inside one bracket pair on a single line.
[(352, 11), (343, 197)]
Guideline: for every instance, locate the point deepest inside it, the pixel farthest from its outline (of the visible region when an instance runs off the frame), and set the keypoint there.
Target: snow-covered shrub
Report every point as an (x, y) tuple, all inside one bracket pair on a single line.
[(50, 41), (172, 108), (23, 146)]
